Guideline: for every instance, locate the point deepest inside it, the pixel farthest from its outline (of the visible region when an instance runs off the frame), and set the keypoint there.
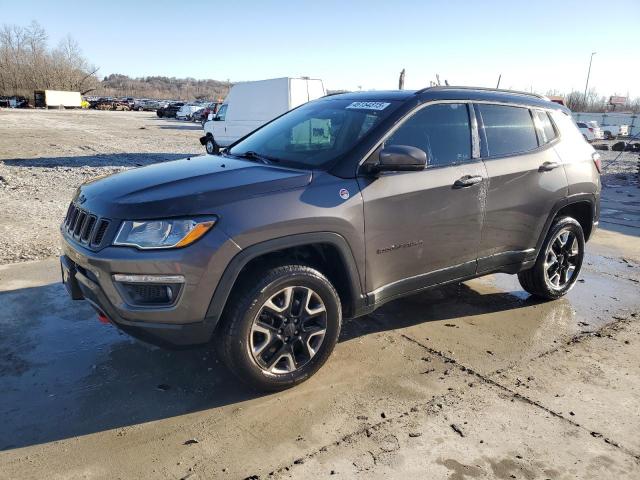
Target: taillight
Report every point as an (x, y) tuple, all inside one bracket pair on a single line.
[(591, 129), (596, 160)]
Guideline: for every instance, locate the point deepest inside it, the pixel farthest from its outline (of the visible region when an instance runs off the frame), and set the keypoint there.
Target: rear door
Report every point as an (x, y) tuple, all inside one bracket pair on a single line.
[(526, 180), (423, 228)]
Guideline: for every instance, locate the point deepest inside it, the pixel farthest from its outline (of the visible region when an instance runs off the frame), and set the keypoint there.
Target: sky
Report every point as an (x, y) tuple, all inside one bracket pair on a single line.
[(535, 45)]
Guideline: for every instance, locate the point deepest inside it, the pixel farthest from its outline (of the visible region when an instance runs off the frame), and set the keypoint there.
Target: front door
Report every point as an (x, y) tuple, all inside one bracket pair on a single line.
[(423, 228)]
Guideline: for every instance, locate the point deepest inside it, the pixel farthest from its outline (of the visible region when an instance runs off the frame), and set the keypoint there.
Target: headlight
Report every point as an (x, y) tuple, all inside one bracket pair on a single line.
[(173, 233)]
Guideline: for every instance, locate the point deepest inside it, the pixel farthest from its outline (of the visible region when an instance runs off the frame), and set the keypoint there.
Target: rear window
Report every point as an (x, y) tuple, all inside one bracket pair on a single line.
[(509, 130), (545, 125)]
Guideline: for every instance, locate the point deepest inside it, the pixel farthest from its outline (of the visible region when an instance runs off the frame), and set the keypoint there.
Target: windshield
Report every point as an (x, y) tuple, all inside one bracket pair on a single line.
[(316, 133)]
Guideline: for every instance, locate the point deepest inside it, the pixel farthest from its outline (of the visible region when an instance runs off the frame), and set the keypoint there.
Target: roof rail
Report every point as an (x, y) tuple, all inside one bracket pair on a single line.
[(486, 89)]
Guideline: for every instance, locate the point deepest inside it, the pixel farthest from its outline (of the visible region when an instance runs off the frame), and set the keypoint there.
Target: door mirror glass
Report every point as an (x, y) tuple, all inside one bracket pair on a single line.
[(400, 158)]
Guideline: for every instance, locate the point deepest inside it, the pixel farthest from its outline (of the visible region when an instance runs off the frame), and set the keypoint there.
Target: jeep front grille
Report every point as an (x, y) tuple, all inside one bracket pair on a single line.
[(85, 227)]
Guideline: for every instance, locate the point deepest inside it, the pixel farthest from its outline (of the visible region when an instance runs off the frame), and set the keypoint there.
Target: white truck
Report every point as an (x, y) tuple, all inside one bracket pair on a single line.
[(613, 131), (250, 105), (57, 99)]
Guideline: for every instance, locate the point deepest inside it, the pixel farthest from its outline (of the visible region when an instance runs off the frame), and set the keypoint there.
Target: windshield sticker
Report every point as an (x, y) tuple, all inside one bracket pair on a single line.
[(368, 105)]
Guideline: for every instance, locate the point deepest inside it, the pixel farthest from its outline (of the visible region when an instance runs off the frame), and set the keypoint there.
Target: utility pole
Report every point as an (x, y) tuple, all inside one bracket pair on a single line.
[(587, 84), (401, 80)]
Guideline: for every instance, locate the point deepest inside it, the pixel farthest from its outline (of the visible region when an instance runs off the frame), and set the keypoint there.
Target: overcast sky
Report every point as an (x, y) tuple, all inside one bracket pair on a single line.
[(350, 44)]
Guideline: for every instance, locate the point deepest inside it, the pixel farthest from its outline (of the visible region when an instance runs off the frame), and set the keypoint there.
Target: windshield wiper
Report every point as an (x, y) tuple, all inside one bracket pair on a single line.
[(251, 155)]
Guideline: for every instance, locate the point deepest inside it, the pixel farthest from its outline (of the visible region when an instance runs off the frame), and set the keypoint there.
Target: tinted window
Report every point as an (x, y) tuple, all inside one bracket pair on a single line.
[(441, 130), (546, 127), (582, 125), (508, 129)]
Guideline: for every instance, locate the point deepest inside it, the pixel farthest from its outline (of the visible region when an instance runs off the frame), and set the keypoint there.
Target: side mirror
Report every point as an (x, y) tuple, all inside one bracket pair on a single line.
[(400, 158)]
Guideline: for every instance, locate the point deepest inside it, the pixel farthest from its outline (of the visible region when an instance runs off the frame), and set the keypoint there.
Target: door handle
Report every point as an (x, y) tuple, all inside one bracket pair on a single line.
[(467, 181), (548, 166)]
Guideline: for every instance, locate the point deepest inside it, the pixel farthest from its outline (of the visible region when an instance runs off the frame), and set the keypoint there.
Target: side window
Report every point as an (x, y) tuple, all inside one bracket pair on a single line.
[(222, 112), (442, 130), (545, 126), (509, 130)]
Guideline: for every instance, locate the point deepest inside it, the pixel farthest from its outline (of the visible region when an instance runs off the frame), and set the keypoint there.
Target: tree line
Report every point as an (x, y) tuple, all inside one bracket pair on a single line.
[(596, 103), (27, 63), (162, 88)]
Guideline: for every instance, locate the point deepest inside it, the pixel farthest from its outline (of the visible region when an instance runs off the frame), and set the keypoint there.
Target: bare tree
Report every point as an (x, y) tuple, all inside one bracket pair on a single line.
[(28, 64)]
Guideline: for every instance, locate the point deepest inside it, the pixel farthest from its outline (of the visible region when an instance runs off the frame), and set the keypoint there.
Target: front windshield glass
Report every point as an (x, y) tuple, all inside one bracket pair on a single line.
[(316, 133)]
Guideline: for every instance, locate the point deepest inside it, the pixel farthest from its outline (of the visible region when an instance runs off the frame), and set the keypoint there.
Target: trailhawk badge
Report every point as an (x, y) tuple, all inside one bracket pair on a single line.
[(344, 193)]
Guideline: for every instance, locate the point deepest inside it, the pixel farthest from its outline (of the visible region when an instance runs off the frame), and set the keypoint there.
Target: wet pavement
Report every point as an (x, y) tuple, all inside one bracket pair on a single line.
[(78, 399)]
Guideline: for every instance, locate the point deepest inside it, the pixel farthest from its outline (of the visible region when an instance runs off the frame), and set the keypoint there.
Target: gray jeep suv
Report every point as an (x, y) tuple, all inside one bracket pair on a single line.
[(328, 212)]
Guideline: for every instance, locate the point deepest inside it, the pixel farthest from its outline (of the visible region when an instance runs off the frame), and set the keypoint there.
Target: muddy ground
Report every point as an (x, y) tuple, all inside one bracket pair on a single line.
[(468, 381)]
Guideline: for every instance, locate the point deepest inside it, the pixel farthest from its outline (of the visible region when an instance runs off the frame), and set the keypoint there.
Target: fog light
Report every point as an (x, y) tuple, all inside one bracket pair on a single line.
[(149, 290)]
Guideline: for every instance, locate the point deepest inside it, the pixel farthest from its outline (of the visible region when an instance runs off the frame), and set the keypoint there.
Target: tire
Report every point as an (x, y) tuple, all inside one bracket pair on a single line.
[(211, 146), (159, 113), (537, 279), (273, 361)]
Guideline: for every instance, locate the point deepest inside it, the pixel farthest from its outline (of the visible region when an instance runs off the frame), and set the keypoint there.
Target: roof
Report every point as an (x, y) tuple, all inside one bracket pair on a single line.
[(454, 93)]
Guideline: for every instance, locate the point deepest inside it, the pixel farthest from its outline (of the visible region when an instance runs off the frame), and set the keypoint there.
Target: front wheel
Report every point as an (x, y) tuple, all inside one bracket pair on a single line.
[(559, 262), (211, 146), (281, 328)]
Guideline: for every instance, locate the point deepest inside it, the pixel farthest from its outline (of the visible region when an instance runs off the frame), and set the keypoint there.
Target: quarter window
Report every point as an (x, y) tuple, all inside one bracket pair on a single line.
[(509, 130), (546, 129), (442, 130)]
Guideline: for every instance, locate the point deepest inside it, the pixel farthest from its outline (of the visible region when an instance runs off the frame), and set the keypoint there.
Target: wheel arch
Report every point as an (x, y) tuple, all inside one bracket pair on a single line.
[(326, 251), (582, 207)]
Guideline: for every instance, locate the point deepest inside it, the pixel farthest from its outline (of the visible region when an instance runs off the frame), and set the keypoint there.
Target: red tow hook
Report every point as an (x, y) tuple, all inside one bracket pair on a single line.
[(103, 318)]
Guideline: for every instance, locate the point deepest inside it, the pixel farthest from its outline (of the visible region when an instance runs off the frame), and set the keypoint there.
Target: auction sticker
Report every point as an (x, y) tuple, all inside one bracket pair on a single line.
[(344, 193), (368, 105)]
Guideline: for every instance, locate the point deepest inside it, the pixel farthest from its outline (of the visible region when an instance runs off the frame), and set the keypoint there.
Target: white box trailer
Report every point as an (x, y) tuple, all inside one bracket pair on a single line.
[(249, 105), (57, 99)]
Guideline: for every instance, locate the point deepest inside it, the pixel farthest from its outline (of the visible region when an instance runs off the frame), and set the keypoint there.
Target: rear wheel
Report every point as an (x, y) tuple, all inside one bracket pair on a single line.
[(281, 328), (559, 262)]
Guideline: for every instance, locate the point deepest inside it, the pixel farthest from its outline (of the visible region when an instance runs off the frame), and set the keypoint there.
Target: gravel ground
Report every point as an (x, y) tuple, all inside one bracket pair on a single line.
[(46, 155)]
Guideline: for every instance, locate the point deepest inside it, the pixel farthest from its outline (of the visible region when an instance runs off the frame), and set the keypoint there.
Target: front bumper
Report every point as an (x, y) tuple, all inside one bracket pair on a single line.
[(88, 275)]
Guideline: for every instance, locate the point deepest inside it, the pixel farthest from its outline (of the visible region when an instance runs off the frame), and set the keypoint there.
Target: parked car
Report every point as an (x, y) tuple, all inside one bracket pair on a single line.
[(128, 101), (328, 212), (14, 101), (140, 104), (612, 131), (170, 110), (186, 111), (588, 132), (250, 105), (202, 116), (597, 131)]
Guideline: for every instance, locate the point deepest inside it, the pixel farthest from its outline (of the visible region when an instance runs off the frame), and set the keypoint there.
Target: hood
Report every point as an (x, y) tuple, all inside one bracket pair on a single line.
[(192, 186)]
